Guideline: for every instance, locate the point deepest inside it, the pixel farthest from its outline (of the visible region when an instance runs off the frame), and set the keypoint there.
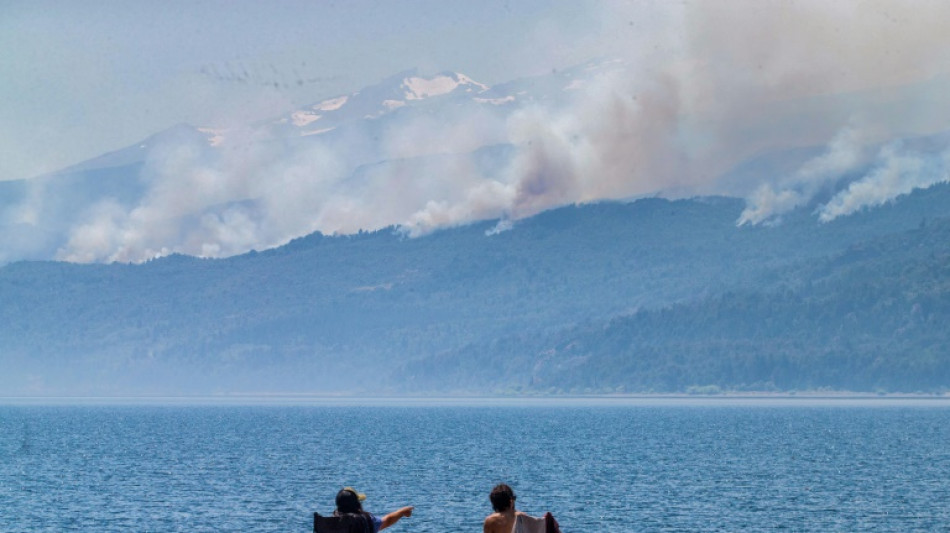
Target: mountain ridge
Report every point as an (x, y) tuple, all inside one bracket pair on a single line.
[(308, 316)]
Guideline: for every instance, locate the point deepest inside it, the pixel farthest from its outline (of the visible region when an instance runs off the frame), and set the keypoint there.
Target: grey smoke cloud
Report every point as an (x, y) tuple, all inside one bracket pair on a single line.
[(704, 85), (770, 200), (256, 192), (896, 172), (615, 138), (259, 190), (19, 224)]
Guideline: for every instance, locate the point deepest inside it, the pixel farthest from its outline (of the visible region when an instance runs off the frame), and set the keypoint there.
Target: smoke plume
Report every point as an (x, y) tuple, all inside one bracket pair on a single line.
[(896, 172), (769, 201), (703, 86)]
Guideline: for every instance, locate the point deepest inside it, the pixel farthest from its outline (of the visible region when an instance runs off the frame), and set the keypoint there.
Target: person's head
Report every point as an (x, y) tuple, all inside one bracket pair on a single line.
[(349, 501), (502, 498)]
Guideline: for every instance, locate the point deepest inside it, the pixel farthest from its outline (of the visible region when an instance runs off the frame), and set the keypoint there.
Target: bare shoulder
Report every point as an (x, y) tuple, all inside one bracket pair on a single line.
[(497, 523)]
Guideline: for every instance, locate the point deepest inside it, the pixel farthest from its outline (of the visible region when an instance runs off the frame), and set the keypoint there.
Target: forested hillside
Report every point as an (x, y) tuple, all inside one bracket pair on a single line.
[(649, 295), (872, 318)]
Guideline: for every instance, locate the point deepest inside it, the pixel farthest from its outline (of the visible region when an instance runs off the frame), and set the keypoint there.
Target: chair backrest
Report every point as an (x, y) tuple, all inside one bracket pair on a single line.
[(347, 523)]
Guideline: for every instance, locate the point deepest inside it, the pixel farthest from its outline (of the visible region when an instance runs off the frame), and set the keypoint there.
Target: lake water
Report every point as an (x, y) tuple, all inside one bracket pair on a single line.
[(598, 466)]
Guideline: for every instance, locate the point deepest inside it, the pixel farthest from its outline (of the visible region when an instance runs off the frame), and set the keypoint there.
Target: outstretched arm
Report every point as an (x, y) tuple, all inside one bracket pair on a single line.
[(394, 517)]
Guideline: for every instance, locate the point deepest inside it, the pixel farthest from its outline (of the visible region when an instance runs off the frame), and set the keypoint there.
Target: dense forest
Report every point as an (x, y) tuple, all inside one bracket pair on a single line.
[(650, 295), (872, 318)]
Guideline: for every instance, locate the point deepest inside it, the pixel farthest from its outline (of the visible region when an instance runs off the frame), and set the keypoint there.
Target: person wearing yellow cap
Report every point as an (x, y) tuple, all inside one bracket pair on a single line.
[(349, 502)]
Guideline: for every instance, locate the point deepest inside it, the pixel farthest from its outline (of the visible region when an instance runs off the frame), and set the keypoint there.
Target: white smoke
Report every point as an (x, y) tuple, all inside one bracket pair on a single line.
[(259, 190), (896, 172), (705, 86), (614, 139), (255, 192), (770, 200)]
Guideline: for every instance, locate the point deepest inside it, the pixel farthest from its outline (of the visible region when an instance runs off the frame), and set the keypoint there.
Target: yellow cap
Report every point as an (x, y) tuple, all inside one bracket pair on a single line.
[(359, 495)]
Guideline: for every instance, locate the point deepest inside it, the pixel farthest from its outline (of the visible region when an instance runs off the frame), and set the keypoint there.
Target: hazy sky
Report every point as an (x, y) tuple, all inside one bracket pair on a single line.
[(80, 78)]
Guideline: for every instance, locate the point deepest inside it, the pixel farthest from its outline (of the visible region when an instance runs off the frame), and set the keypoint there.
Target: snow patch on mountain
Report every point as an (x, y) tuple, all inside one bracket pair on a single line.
[(302, 118), (316, 132), (465, 80), (421, 88), (332, 104)]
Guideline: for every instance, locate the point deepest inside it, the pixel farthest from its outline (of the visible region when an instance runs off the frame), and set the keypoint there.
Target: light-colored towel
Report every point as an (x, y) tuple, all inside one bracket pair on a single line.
[(528, 524)]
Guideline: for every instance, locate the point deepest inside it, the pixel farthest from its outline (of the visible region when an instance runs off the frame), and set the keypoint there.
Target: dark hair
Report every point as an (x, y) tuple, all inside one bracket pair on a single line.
[(502, 497), (348, 501)]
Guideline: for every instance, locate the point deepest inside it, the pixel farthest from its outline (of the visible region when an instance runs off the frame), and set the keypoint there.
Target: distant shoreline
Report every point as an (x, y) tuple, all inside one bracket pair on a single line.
[(810, 398)]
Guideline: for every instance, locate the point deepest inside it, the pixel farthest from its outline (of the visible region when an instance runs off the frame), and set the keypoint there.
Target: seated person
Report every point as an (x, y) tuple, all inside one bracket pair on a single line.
[(506, 519), (349, 506)]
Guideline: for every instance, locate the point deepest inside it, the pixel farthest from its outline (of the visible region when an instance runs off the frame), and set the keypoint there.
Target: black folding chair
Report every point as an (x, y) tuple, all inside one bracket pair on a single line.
[(346, 523)]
